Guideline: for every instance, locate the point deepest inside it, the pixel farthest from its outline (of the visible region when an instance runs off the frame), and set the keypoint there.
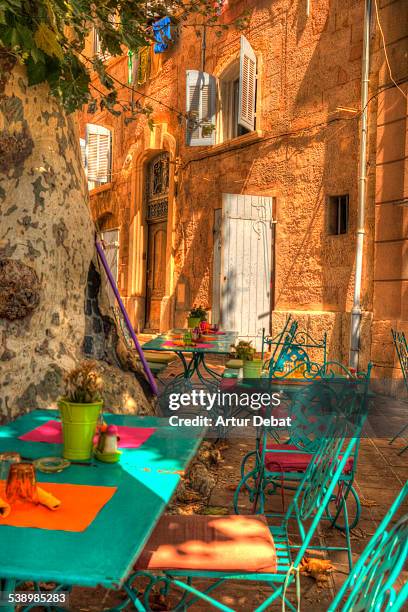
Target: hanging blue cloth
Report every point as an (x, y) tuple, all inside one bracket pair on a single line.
[(162, 34)]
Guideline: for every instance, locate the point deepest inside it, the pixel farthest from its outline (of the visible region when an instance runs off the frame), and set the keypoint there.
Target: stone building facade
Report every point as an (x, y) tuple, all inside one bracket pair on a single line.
[(301, 159)]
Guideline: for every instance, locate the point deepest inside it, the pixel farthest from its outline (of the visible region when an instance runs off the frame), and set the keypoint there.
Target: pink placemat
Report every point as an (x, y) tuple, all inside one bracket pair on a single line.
[(197, 346), (51, 432)]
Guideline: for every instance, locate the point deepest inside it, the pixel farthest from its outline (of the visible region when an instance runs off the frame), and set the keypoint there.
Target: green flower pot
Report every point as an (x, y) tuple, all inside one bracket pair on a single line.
[(78, 428), (193, 322), (252, 369)]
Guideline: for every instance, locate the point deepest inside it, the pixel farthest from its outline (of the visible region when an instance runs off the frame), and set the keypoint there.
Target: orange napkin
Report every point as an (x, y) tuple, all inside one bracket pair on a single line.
[(47, 499), (79, 506)]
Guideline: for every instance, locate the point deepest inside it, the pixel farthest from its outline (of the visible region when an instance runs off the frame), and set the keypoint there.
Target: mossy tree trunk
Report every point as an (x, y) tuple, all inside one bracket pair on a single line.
[(46, 251)]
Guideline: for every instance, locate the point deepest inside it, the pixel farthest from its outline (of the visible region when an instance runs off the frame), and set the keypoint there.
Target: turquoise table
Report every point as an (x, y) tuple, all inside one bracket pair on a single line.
[(197, 364), (105, 552)]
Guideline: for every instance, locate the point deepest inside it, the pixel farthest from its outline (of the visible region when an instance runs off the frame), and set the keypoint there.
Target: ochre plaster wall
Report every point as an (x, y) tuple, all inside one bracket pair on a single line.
[(306, 148)]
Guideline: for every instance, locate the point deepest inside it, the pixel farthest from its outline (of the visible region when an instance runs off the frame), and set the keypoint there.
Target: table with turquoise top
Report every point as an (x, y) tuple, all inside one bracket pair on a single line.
[(105, 552), (197, 364)]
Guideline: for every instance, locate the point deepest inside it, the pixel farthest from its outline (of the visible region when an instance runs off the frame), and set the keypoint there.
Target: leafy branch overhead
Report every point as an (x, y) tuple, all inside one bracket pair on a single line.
[(49, 37)]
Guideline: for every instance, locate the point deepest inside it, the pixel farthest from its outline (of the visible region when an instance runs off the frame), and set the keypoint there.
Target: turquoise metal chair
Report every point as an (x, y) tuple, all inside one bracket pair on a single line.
[(273, 343), (372, 583), (293, 356), (280, 464), (307, 509), (401, 347)]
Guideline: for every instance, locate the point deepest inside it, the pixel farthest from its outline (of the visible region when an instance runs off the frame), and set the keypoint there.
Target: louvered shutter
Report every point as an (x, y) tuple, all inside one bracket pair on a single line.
[(98, 153), (82, 144), (247, 85), (200, 106)]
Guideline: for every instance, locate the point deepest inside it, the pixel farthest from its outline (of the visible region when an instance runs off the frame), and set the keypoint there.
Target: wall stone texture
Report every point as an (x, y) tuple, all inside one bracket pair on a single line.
[(306, 148)]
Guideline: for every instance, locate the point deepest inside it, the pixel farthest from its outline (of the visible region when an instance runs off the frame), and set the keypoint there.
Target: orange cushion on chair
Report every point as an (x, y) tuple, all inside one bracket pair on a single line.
[(217, 543)]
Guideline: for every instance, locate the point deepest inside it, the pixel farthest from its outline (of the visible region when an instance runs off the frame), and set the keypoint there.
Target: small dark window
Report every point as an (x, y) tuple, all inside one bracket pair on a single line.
[(338, 213)]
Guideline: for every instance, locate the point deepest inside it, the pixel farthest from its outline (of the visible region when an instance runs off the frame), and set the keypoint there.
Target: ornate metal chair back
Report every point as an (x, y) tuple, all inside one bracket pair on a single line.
[(274, 343), (298, 355), (316, 489), (373, 580), (401, 347)]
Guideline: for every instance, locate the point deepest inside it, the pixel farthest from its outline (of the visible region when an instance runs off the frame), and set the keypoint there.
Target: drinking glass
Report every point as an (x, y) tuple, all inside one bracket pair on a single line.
[(21, 483), (6, 460), (187, 338), (195, 334)]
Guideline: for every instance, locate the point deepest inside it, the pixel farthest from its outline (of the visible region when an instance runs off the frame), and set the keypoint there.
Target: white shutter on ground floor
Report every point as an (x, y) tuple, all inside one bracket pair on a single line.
[(244, 266)]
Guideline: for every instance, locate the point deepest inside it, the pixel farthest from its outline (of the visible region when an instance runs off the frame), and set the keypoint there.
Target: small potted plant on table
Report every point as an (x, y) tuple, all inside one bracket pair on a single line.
[(195, 317), (80, 409), (252, 365)]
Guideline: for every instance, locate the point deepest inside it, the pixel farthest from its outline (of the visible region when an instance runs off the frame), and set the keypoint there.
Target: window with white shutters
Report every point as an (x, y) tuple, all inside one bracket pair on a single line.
[(82, 144), (237, 95), (247, 85), (97, 42), (98, 155), (200, 107)]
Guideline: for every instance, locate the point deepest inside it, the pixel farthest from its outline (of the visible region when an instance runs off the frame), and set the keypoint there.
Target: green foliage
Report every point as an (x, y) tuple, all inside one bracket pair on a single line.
[(198, 312), (244, 350), (83, 385), (49, 37)]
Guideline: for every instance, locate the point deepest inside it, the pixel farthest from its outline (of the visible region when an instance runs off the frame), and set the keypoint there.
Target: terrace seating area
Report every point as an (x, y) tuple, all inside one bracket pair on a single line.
[(295, 517)]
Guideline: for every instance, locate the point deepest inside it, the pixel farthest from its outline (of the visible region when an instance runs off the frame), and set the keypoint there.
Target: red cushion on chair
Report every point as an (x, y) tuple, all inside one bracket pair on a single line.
[(217, 543), (292, 461)]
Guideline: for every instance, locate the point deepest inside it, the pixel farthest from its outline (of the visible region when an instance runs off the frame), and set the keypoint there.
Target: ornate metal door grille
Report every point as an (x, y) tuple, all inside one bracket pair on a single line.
[(157, 188)]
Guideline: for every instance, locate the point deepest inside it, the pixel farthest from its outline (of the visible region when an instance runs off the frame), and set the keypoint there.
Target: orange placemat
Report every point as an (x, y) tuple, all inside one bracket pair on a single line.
[(79, 506)]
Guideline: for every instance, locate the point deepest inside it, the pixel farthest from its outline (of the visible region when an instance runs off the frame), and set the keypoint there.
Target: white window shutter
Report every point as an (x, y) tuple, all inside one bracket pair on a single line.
[(98, 153), (82, 144), (200, 106), (247, 85)]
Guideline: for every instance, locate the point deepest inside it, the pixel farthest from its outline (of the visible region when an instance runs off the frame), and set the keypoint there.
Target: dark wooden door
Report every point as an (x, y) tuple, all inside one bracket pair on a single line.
[(157, 188), (156, 272)]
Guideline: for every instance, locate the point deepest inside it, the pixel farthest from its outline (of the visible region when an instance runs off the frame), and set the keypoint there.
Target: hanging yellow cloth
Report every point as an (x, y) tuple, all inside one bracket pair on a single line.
[(144, 63)]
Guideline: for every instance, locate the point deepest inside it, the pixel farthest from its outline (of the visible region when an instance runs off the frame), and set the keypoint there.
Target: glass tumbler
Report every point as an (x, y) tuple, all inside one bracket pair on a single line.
[(21, 483), (6, 460)]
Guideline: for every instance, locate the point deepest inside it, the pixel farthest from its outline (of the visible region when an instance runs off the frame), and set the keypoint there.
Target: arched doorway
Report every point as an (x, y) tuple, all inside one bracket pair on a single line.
[(157, 190)]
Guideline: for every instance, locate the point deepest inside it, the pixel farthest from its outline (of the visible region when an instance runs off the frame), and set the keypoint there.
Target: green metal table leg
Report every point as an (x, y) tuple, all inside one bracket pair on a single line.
[(8, 586)]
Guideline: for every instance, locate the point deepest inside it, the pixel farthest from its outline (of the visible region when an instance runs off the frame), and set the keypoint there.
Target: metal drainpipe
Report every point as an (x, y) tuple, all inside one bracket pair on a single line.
[(356, 310)]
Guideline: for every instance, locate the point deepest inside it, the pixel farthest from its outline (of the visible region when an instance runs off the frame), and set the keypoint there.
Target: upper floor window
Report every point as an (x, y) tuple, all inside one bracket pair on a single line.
[(338, 214), (200, 103), (231, 113), (97, 42), (96, 151)]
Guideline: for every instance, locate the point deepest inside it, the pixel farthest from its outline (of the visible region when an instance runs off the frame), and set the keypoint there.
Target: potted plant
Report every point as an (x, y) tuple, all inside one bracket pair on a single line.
[(80, 408), (197, 314), (252, 365)]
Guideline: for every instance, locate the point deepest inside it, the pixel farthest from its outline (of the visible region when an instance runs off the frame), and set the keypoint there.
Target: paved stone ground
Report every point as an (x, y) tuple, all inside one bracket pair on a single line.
[(381, 474)]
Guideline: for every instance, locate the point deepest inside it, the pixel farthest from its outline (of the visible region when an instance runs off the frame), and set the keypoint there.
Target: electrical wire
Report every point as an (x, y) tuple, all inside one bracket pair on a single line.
[(137, 91), (385, 50)]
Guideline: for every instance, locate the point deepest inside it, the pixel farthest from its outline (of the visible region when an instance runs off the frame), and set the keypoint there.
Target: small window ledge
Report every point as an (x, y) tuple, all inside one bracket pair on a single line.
[(100, 188), (230, 145)]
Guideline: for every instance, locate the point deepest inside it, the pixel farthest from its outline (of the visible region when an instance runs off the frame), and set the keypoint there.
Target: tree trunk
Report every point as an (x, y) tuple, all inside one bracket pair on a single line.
[(50, 295)]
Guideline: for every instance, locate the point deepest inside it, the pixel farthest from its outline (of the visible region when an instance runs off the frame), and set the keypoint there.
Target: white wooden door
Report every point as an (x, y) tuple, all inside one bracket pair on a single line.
[(245, 269), (111, 246)]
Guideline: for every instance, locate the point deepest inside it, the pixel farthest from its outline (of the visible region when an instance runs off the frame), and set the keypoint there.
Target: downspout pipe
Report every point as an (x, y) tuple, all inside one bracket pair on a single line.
[(355, 331)]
